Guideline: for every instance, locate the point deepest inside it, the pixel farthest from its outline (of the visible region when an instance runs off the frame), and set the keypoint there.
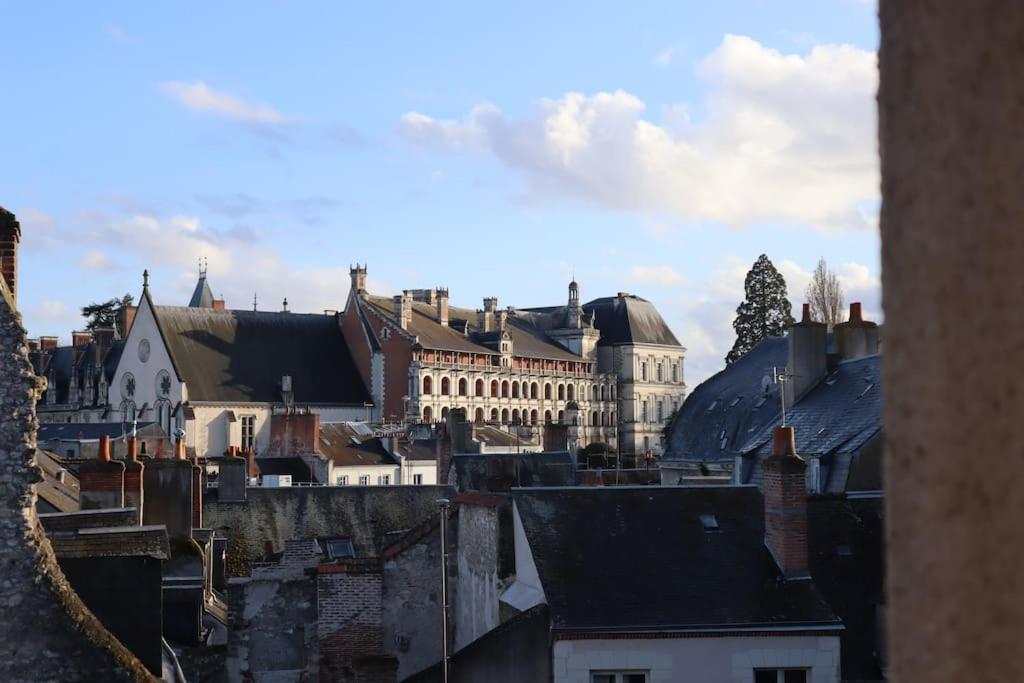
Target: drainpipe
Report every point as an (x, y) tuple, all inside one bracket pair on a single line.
[(444, 503)]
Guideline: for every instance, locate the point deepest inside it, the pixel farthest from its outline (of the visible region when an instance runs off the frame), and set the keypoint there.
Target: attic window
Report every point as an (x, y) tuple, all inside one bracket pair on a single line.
[(831, 379), (821, 431), (709, 522), (339, 547), (712, 406), (760, 402), (735, 401), (866, 390)]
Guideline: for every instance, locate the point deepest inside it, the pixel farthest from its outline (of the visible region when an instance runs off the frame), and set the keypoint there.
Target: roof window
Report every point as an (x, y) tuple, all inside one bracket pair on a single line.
[(337, 548), (709, 522)]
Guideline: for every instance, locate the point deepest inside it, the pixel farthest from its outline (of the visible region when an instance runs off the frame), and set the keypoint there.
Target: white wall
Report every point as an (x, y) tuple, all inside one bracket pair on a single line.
[(698, 660), (372, 471)]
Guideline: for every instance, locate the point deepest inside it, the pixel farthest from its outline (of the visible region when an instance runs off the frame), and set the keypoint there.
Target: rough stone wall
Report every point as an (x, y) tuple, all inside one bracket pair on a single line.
[(275, 515), (951, 102), (475, 607), (412, 604), (349, 609), (46, 632)]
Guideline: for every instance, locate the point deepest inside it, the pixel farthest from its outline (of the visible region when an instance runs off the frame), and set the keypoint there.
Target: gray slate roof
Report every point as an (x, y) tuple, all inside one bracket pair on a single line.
[(91, 430), (202, 297), (241, 356), (640, 559), (629, 319)]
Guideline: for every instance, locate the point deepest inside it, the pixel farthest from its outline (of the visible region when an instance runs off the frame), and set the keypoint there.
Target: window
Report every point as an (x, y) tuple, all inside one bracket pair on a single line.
[(248, 432), (445, 386), (417, 479), (462, 387), (675, 372), (479, 387), (561, 392), (661, 373), (384, 480), (342, 480), (364, 480), (643, 371), (643, 412), (428, 385), (780, 675), (339, 547), (660, 411), (618, 677)]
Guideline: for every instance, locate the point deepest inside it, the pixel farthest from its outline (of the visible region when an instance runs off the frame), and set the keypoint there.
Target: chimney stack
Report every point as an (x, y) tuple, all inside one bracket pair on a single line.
[(785, 505), (358, 276), (442, 306), (856, 337), (486, 318), (133, 478), (81, 338), (10, 237), (233, 477), (101, 481), (127, 317), (808, 356), (403, 309)]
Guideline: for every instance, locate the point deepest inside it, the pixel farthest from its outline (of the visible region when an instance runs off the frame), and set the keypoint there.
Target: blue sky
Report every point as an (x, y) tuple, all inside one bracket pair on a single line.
[(656, 148)]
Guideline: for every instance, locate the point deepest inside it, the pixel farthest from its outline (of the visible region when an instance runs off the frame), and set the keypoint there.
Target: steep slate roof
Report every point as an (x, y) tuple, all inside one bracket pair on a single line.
[(202, 297), (629, 320), (834, 421), (499, 471), (417, 449), (91, 430), (241, 356), (726, 410), (340, 444), (61, 361), (639, 559), (526, 341)]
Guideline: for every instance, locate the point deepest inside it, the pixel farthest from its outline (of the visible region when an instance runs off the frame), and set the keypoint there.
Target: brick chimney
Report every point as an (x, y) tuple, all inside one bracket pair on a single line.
[(218, 304), (785, 505), (81, 338), (358, 275), (101, 481), (403, 309), (167, 485), (442, 306), (48, 343), (294, 434), (454, 439), (808, 356), (856, 337), (133, 478), (10, 236), (127, 317)]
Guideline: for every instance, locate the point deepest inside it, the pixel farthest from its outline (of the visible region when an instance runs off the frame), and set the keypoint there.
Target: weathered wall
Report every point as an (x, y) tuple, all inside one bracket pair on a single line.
[(349, 618), (951, 102), (46, 632), (475, 608), (412, 604), (275, 515)]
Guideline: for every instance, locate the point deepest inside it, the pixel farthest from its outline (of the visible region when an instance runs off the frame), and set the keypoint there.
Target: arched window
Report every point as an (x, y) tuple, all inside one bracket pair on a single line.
[(547, 417), (602, 392), (479, 388), (446, 387), (428, 385), (593, 419), (611, 392), (515, 415), (494, 414), (595, 392), (534, 389), (515, 389), (444, 413), (533, 417), (547, 391), (525, 393), (504, 388), (604, 418), (611, 421), (427, 414), (479, 417), (570, 392), (561, 392), (494, 387), (462, 386), (504, 416), (561, 417)]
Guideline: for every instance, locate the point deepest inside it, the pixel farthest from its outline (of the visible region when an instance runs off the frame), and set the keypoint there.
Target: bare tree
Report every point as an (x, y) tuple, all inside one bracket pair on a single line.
[(825, 295)]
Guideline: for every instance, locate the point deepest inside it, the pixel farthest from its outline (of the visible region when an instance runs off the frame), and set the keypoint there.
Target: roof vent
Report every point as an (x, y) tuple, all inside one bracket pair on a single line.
[(709, 522)]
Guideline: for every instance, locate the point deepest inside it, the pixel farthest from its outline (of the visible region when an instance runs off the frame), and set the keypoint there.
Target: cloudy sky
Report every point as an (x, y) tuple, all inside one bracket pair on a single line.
[(650, 147)]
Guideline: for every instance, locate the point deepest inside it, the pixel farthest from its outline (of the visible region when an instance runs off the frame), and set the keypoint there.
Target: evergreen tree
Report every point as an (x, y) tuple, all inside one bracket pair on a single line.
[(766, 312), (107, 314)]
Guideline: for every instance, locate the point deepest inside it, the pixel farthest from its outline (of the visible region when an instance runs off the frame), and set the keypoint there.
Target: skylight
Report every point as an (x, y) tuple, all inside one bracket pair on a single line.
[(339, 547), (709, 522)]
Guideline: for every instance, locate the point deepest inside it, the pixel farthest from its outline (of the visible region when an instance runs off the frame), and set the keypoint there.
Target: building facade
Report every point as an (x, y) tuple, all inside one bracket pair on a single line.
[(518, 368)]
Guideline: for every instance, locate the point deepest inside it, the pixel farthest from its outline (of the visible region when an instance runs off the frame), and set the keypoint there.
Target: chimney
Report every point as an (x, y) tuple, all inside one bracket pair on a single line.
[(133, 478), (808, 356), (455, 439), (785, 505), (81, 339), (491, 304), (48, 343), (294, 434), (486, 317), (358, 276), (442, 306), (104, 337), (856, 337), (101, 481), (403, 309), (197, 494), (218, 304), (10, 236), (502, 320), (167, 490), (127, 317), (232, 479)]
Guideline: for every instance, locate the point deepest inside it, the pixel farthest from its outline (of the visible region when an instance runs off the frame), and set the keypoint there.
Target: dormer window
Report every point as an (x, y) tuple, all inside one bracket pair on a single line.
[(385, 333)]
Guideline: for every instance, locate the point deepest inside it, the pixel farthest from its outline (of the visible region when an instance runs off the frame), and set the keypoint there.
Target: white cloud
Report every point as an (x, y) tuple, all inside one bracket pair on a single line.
[(661, 276), (94, 260), (200, 97), (787, 138), (665, 57)]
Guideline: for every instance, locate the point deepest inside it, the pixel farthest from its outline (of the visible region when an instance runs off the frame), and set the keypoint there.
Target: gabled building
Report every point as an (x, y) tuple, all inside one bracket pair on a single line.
[(612, 361), (77, 376), (832, 394), (218, 375)]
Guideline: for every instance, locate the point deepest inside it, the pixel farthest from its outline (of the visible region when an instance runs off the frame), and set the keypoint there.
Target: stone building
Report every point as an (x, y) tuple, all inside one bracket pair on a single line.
[(77, 376), (610, 367)]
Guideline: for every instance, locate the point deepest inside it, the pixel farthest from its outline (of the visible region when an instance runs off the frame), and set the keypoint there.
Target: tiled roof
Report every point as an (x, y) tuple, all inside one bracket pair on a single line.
[(345, 447), (241, 356), (640, 559), (124, 541)]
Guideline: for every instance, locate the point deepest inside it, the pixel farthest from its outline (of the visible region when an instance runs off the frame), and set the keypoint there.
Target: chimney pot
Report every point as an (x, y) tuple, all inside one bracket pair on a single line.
[(855, 312), (784, 442), (103, 454), (133, 452), (806, 314), (179, 449)]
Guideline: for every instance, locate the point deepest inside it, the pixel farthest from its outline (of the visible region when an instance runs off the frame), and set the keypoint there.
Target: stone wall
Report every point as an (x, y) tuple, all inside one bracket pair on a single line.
[(475, 607), (271, 516), (46, 632), (349, 617)]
